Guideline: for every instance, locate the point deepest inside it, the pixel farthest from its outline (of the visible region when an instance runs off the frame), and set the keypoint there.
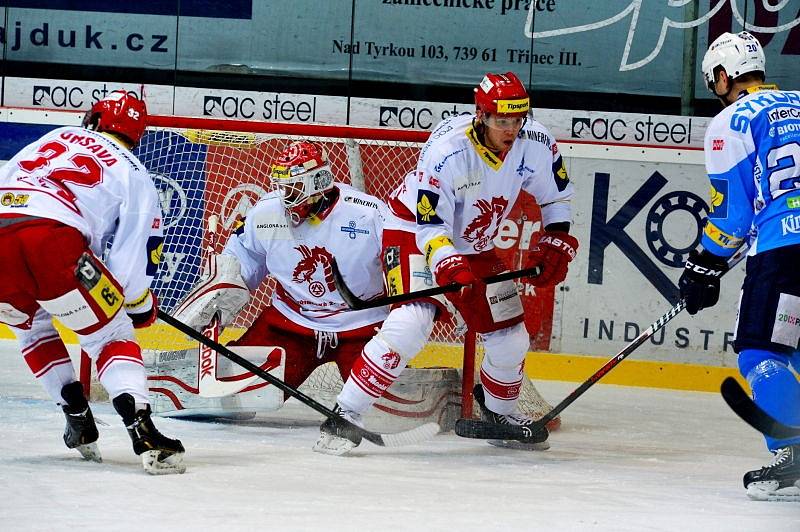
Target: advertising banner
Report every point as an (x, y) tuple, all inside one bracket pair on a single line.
[(637, 222), (552, 44)]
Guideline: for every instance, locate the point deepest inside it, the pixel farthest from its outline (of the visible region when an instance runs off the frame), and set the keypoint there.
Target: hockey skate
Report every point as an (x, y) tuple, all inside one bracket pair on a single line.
[(537, 442), (81, 431), (160, 455), (779, 481), (335, 437)]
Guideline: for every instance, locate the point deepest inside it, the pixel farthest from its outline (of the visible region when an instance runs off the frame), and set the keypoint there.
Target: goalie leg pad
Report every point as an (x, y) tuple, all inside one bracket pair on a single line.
[(503, 366), (221, 290)]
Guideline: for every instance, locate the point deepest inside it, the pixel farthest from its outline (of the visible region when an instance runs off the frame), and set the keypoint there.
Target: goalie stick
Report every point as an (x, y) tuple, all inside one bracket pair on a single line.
[(407, 437), (484, 430), (356, 303), (754, 415), (208, 384)]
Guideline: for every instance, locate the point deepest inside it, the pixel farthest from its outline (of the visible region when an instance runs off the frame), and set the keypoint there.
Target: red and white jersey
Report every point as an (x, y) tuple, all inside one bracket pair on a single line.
[(299, 258), (460, 192), (88, 181)]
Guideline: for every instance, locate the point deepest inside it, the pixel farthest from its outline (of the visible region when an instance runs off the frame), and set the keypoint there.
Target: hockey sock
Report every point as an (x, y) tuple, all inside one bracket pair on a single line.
[(502, 367), (121, 370), (386, 355), (50, 364), (775, 389)]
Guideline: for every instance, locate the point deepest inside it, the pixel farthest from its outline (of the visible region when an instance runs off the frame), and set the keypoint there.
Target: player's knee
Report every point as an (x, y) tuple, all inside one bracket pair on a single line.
[(754, 363), (794, 360), (406, 330), (506, 348)]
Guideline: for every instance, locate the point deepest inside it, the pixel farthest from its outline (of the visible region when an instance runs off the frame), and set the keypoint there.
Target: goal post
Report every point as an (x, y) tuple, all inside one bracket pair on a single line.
[(204, 167)]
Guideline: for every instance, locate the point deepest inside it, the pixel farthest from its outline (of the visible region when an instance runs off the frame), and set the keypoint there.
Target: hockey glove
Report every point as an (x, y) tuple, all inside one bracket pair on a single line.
[(454, 269), (699, 283), (143, 312), (553, 253), (220, 290)]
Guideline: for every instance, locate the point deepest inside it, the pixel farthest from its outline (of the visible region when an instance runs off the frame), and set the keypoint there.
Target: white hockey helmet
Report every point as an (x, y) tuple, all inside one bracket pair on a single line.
[(738, 54)]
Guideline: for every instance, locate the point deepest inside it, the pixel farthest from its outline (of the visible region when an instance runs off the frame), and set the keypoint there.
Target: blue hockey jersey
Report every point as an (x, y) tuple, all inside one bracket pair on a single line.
[(752, 152)]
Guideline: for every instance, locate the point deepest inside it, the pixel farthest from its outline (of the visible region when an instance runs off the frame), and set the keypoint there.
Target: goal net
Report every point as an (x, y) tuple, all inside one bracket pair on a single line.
[(205, 167)]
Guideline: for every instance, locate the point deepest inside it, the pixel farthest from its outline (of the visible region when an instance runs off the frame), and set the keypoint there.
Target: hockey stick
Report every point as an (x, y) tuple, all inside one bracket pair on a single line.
[(349, 430), (207, 382), (754, 415), (356, 303), (484, 430)]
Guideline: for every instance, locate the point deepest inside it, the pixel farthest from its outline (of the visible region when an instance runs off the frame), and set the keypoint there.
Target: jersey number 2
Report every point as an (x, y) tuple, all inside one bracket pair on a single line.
[(783, 165)]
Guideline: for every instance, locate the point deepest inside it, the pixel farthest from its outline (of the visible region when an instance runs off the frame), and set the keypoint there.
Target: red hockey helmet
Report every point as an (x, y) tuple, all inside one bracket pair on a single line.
[(502, 94), (301, 171), (119, 112)]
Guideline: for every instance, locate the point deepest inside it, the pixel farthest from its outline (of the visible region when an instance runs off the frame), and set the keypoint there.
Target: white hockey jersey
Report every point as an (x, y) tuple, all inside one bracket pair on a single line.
[(86, 180), (461, 192), (299, 258)]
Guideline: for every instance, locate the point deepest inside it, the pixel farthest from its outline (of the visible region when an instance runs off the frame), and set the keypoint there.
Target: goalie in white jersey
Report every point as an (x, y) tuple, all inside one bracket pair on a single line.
[(292, 234), (80, 240), (445, 215)]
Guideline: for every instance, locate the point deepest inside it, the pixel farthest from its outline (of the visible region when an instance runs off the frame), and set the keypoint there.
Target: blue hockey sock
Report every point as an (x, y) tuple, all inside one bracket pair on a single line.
[(775, 388)]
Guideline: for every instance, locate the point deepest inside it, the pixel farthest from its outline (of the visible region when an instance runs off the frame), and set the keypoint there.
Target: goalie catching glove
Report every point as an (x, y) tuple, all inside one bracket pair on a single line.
[(221, 291), (699, 283), (553, 253)]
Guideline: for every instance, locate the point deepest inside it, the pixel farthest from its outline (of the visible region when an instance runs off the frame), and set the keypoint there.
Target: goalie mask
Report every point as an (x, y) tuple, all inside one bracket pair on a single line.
[(120, 112), (301, 172)]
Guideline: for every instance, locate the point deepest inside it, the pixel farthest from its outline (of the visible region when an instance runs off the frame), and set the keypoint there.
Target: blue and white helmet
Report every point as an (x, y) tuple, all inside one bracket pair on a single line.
[(738, 54)]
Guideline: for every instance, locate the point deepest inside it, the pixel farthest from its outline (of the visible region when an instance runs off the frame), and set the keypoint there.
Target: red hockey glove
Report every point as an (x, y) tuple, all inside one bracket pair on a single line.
[(553, 253), (145, 318), (454, 269)]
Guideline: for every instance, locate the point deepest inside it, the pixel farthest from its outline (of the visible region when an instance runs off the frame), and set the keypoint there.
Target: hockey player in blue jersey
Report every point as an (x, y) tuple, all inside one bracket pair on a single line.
[(752, 152)]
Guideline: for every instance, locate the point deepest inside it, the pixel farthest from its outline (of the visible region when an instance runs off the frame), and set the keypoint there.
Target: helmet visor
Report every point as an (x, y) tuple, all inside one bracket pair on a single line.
[(504, 123)]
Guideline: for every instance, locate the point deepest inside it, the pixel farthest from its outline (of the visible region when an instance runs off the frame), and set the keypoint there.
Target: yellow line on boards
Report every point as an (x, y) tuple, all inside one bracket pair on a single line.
[(538, 365)]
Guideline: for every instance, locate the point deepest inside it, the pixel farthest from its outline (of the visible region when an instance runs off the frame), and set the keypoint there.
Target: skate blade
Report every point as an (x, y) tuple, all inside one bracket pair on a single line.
[(333, 445), (90, 452), (767, 491), (166, 465), (521, 446)]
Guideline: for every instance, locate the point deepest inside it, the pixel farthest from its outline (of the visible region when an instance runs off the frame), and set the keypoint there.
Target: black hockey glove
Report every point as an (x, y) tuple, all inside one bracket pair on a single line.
[(699, 283)]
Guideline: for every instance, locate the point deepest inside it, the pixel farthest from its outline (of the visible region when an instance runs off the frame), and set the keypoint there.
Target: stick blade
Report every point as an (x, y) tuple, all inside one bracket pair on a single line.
[(752, 414), (484, 430), (407, 437)]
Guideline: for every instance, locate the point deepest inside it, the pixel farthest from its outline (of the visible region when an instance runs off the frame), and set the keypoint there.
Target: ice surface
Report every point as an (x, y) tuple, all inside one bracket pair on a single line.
[(625, 459)]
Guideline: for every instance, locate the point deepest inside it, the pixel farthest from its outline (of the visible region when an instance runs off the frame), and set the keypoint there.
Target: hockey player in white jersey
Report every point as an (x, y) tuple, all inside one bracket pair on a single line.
[(445, 216), (292, 234), (80, 240), (752, 151)]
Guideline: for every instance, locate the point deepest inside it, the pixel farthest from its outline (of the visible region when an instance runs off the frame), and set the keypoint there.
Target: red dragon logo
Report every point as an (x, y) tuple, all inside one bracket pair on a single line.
[(304, 272), (490, 213)]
